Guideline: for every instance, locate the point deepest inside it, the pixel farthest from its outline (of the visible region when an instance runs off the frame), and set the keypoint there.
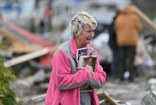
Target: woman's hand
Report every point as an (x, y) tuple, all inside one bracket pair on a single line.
[(90, 69), (80, 68)]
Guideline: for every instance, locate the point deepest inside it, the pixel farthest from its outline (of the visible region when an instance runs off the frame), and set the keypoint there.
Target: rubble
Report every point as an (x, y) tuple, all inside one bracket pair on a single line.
[(32, 88), (149, 99)]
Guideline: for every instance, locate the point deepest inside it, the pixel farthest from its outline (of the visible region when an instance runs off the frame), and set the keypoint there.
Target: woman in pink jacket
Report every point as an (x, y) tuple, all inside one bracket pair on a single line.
[(66, 78)]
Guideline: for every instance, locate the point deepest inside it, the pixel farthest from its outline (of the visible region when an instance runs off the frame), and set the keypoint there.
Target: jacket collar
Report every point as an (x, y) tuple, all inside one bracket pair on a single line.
[(73, 48)]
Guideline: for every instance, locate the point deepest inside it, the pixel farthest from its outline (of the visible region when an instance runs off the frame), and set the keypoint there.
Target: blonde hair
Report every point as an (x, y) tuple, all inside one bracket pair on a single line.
[(79, 20)]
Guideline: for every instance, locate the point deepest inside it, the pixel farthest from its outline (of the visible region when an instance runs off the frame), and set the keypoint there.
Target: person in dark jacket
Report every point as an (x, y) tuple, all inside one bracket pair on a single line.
[(114, 47), (42, 26)]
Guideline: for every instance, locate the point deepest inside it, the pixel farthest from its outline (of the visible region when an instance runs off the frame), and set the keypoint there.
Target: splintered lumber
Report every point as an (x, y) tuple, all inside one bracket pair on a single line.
[(143, 49), (39, 98), (16, 45), (107, 98), (26, 57), (29, 56), (9, 35), (148, 40), (145, 19), (21, 47)]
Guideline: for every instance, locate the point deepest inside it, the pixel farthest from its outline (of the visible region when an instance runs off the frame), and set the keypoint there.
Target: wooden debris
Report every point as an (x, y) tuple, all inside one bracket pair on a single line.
[(17, 45), (21, 47), (29, 56), (6, 53), (9, 35), (144, 51), (106, 98), (145, 19), (39, 98), (26, 57), (148, 40)]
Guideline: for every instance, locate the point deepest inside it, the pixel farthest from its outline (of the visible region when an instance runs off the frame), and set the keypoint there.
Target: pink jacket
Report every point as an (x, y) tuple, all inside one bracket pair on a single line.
[(64, 85)]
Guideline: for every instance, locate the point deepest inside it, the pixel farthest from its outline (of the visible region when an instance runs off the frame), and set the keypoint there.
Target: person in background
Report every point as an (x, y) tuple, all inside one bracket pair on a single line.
[(48, 15), (115, 48), (42, 26), (66, 78), (32, 25), (1, 17), (127, 26)]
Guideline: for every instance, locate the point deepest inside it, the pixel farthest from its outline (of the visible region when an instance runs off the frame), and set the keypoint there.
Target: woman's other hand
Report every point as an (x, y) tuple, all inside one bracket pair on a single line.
[(90, 69)]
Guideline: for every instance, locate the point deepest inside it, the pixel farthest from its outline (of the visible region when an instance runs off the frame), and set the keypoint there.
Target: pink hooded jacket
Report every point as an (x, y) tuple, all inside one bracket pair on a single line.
[(65, 81)]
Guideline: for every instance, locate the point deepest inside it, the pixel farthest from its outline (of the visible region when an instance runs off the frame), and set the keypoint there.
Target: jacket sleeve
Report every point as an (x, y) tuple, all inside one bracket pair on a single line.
[(98, 79), (138, 24), (62, 73)]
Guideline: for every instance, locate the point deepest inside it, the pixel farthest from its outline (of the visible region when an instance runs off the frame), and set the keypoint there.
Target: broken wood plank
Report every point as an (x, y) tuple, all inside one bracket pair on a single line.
[(148, 40), (143, 49), (26, 57), (9, 35), (39, 98), (29, 56), (107, 98), (16, 44), (145, 19), (20, 47)]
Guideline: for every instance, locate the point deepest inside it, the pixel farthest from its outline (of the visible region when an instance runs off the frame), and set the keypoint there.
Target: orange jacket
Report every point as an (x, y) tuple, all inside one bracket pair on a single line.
[(127, 26)]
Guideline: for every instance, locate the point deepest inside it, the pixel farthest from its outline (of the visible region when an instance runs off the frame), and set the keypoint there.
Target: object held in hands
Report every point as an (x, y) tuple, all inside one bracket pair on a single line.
[(83, 62)]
